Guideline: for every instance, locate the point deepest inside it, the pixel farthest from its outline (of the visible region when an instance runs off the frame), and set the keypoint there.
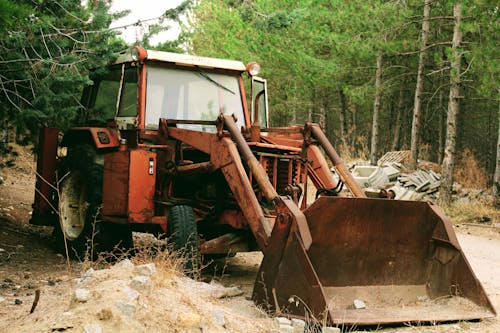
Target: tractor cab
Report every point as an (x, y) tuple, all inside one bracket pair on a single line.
[(139, 89)]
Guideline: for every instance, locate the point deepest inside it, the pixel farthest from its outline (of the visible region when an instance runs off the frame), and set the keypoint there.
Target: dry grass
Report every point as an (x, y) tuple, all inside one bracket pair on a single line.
[(357, 151), (425, 152), (476, 211), (469, 173)]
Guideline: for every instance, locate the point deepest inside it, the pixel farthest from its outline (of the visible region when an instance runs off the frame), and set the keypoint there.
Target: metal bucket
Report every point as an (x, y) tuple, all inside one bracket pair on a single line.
[(399, 260)]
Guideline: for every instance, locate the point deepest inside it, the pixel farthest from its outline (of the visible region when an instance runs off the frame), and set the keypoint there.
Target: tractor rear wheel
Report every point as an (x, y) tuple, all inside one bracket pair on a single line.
[(80, 230), (183, 237)]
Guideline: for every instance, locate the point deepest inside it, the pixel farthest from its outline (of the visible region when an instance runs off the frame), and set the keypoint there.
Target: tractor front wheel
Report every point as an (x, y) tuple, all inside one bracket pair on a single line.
[(183, 237), (81, 231)]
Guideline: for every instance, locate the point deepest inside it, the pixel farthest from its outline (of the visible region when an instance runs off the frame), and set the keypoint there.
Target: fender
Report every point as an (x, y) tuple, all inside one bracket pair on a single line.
[(101, 137), (44, 205)]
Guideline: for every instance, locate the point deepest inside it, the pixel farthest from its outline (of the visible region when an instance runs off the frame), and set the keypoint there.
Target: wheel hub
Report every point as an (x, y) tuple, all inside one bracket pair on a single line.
[(73, 205)]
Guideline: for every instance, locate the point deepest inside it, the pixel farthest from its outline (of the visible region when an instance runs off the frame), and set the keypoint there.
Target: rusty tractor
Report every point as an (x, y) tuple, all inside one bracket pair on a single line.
[(171, 144)]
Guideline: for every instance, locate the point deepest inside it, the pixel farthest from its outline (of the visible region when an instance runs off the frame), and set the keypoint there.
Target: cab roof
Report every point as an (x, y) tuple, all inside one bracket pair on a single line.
[(184, 60)]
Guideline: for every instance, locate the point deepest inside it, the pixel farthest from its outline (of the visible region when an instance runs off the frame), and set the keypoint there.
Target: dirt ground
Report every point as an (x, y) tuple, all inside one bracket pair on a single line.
[(29, 263)]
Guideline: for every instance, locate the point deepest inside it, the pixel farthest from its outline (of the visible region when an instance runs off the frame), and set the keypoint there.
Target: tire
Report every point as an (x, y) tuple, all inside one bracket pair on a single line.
[(183, 237), (80, 200)]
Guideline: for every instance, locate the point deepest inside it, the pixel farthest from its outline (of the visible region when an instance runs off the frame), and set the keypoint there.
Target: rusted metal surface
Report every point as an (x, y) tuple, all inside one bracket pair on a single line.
[(115, 184), (361, 246), (286, 281), (194, 169), (46, 165), (129, 185), (142, 182), (234, 218), (102, 137), (401, 259), (242, 190), (225, 244), (141, 98), (274, 147), (340, 167), (224, 156), (252, 163), (320, 173)]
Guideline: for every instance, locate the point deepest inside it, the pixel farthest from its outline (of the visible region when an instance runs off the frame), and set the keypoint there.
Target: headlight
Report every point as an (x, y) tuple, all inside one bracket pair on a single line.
[(138, 53), (253, 68)]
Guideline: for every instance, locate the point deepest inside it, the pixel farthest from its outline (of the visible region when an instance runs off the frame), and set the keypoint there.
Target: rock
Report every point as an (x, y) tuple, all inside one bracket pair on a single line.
[(18, 301), (227, 292), (2, 299), (81, 295), (2, 250), (88, 273), (188, 320), (126, 308), (298, 325), (359, 304), (424, 298), (330, 329), (218, 316), (92, 328), (124, 264), (56, 327), (147, 269), (286, 329), (283, 321), (142, 284), (105, 314), (131, 294)]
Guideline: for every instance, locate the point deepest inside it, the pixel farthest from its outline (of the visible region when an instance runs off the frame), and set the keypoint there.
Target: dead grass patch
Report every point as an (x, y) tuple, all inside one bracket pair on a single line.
[(469, 173), (357, 150), (477, 211)]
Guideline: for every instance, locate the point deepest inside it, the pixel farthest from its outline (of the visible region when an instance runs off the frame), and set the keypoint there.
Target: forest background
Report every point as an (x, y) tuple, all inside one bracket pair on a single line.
[(410, 75)]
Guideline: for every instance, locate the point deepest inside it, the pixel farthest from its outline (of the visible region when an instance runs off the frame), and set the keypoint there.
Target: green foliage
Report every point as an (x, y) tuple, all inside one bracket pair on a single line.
[(173, 15), (48, 49), (310, 49)]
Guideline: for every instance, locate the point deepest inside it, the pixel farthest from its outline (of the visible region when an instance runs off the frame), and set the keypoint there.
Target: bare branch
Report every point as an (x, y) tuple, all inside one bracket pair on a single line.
[(425, 48)]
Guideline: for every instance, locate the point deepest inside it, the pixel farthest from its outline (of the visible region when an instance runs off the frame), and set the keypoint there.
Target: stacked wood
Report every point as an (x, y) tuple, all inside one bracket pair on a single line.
[(421, 181)]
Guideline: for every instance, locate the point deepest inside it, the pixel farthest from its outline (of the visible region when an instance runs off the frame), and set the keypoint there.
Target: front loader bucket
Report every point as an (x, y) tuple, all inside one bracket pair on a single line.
[(400, 258)]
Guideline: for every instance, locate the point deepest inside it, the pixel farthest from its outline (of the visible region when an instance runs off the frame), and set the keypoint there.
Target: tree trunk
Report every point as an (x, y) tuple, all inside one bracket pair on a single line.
[(441, 127), (417, 106), (453, 109), (352, 125), (376, 111), (496, 177), (343, 118), (397, 125)]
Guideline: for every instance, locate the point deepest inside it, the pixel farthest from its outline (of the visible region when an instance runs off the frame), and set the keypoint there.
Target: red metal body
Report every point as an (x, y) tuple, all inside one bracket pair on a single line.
[(129, 185), (46, 166)]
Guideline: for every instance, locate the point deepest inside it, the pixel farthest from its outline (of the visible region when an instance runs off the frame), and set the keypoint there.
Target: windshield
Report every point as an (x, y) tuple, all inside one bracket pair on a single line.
[(196, 94), (100, 99)]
